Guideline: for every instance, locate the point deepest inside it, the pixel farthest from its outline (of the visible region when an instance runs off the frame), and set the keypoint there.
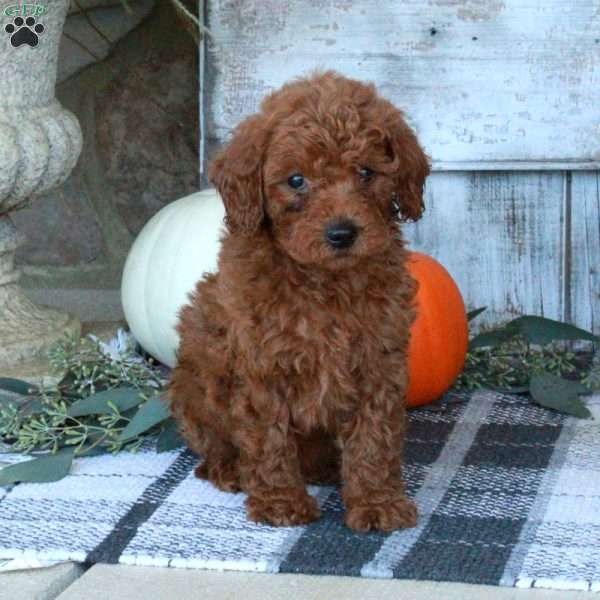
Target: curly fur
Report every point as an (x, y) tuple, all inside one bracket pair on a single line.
[(292, 363)]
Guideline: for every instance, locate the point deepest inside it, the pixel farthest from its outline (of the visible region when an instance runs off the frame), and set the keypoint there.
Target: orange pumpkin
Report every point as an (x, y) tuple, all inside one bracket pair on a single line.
[(439, 335)]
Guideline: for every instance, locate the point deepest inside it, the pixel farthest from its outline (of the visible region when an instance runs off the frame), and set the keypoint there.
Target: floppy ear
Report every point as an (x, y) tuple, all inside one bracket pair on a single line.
[(236, 173), (411, 166)]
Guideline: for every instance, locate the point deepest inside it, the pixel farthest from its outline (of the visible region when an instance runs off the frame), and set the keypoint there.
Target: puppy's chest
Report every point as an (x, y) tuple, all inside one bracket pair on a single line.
[(331, 337)]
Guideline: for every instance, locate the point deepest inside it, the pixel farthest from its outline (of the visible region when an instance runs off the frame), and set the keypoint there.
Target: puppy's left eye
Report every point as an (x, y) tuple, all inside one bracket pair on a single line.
[(365, 173), (296, 181)]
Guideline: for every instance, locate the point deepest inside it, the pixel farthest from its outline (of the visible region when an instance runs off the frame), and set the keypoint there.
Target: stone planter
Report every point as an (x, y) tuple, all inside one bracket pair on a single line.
[(40, 143)]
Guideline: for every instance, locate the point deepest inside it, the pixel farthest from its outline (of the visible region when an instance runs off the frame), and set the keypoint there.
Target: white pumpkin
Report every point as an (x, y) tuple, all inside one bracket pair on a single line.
[(171, 253)]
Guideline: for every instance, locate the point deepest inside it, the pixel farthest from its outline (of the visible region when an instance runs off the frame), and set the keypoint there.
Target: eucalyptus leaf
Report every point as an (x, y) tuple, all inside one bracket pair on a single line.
[(475, 313), (169, 437), (6, 399), (50, 467), (558, 394), (493, 338), (517, 389), (26, 406), (16, 386), (154, 411), (88, 451), (32, 406), (539, 330), (123, 398), (579, 388)]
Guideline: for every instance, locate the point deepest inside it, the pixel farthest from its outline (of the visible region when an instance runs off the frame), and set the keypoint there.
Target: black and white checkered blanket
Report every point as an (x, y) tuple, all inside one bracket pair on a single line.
[(509, 494)]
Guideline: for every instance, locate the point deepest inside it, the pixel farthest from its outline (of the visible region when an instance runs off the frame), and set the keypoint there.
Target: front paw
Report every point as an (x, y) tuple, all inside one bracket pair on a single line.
[(397, 513), (296, 508)]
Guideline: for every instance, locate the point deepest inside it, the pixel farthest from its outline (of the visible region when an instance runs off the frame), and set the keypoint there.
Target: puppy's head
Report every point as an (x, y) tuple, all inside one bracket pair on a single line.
[(328, 166)]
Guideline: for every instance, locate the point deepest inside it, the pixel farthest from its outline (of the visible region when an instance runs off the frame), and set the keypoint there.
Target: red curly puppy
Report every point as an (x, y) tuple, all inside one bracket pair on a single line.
[(293, 358)]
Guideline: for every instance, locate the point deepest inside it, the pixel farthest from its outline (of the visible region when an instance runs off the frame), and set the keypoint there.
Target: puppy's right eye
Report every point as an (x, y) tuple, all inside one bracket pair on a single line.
[(365, 173), (296, 181)]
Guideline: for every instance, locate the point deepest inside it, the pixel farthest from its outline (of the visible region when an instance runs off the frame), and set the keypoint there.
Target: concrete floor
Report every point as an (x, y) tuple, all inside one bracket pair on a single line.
[(115, 582)]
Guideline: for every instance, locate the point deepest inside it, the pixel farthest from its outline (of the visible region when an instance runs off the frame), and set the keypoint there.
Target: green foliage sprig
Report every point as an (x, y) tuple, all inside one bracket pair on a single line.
[(108, 399), (509, 365), (533, 355)]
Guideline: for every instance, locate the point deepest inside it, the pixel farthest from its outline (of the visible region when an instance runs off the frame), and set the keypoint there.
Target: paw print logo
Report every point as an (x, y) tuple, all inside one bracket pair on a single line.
[(24, 31)]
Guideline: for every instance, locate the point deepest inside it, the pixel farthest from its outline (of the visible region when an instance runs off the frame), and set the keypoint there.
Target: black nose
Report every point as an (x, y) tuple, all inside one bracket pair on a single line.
[(341, 234)]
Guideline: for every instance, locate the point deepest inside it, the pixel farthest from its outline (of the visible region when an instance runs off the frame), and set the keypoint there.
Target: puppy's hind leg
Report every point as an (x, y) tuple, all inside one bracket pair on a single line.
[(221, 464), (195, 406)]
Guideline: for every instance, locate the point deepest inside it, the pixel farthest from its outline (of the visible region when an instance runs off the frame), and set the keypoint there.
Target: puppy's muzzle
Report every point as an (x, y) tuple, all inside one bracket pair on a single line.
[(341, 234)]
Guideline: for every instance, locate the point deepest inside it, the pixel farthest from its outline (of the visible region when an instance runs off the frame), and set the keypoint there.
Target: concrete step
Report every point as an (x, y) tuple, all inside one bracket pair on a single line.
[(38, 584), (107, 582)]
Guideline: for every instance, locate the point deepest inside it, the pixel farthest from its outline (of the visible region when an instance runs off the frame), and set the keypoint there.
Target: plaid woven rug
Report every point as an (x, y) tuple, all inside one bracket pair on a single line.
[(509, 494)]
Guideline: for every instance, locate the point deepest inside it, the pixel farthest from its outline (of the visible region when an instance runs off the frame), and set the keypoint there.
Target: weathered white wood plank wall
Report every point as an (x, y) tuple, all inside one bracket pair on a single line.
[(482, 80), (584, 255), (505, 96), (501, 236)]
